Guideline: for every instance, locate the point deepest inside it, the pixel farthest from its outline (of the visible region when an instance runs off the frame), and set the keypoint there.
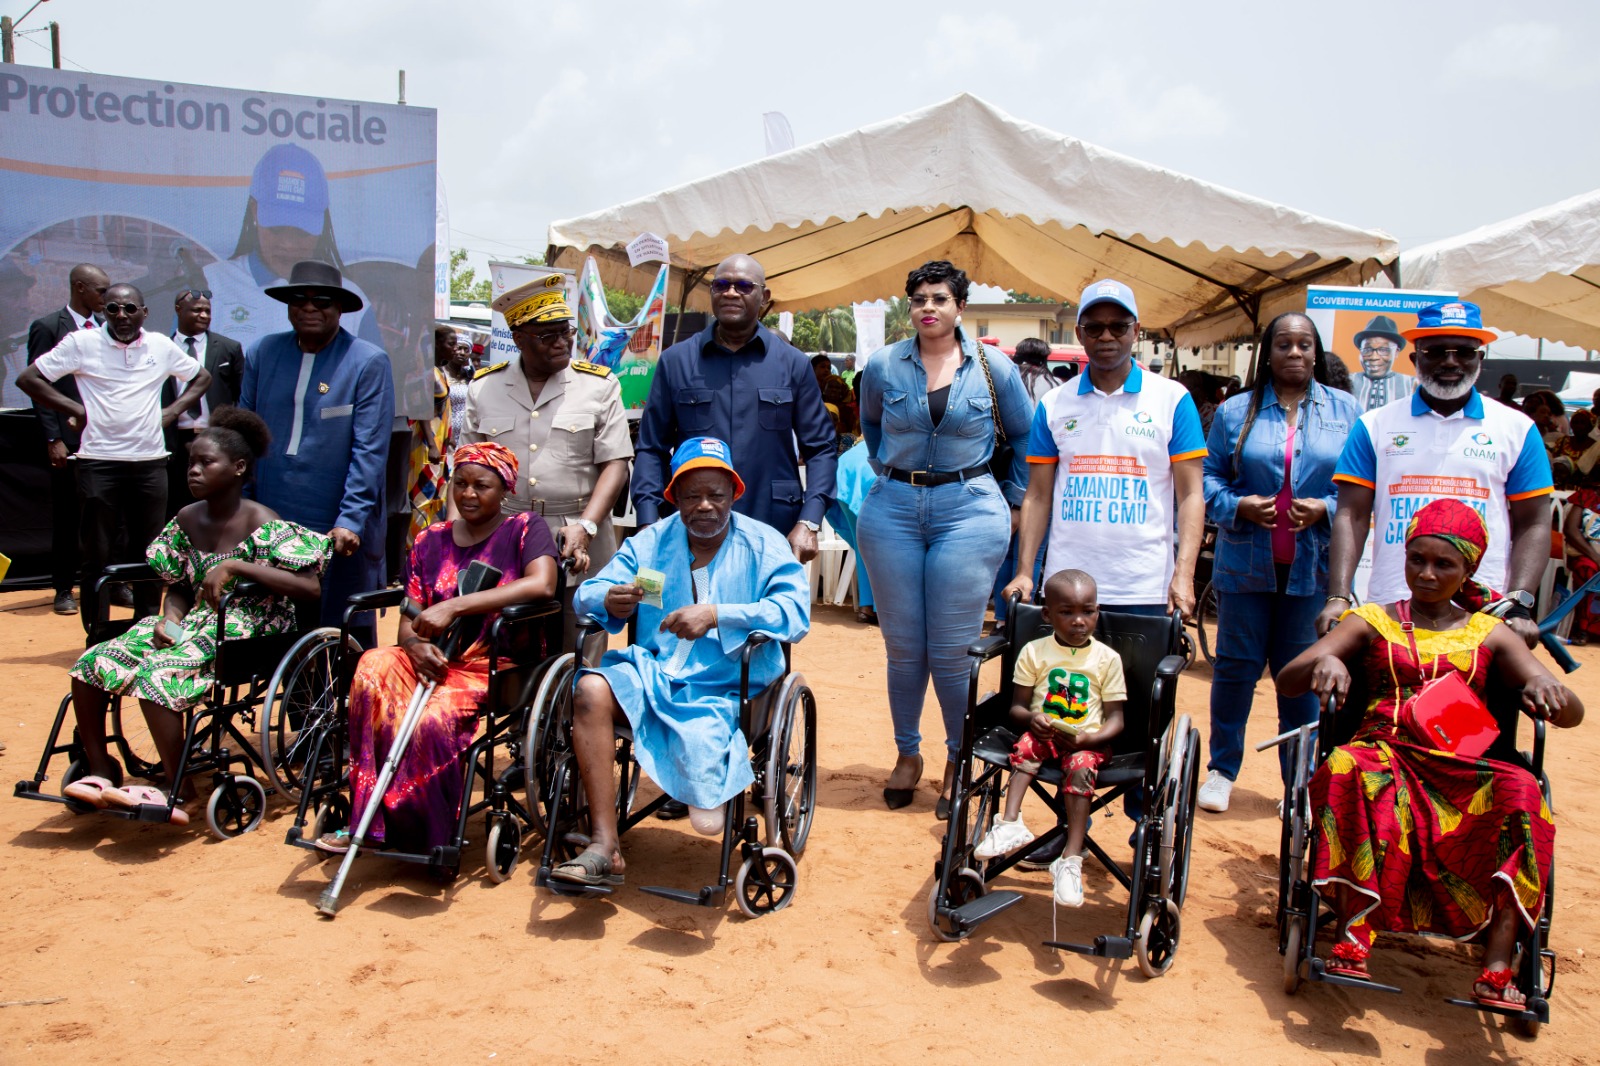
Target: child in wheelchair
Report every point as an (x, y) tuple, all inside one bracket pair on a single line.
[(1068, 692), (167, 662)]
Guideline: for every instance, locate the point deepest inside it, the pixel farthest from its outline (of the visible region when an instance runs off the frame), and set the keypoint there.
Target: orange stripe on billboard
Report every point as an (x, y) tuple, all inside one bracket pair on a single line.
[(187, 181)]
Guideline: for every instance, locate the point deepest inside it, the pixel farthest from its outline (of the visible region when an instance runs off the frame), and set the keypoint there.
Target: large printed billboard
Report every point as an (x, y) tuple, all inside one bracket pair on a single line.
[(178, 187)]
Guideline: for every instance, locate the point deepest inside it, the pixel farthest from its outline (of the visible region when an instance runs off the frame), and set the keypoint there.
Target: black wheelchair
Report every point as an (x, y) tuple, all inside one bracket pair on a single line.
[(249, 674), (1302, 913), (309, 732), (780, 723), (1157, 750), (1204, 622)]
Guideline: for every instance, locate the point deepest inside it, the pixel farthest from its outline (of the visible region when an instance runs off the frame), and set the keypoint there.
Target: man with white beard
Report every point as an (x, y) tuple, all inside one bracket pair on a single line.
[(1446, 442)]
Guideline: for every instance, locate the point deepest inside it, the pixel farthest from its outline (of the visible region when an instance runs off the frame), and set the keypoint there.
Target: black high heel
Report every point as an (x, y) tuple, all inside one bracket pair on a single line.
[(896, 798)]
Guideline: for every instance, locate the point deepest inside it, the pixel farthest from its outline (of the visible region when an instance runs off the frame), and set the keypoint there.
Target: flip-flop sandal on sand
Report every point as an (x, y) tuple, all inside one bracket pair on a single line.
[(590, 868), (90, 790), (334, 843)]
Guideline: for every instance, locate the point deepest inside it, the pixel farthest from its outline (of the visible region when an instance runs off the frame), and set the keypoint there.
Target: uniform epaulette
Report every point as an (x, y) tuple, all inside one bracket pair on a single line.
[(590, 368), (489, 370)]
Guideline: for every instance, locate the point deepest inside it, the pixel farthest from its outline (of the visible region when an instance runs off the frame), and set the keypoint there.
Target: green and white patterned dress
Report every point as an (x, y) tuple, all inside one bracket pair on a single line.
[(180, 675)]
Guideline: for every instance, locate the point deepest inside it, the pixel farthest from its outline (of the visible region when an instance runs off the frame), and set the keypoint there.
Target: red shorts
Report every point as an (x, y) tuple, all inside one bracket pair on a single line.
[(1031, 752)]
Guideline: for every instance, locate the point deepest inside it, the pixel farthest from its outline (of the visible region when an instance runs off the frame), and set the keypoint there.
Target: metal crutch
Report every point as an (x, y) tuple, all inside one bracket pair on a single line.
[(477, 577)]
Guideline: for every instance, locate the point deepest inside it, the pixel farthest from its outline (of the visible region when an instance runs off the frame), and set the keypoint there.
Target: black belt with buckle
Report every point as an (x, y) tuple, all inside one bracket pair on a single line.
[(928, 478)]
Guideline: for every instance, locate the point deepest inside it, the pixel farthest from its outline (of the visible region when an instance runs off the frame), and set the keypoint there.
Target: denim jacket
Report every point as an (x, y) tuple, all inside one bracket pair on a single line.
[(1244, 550), (900, 432)]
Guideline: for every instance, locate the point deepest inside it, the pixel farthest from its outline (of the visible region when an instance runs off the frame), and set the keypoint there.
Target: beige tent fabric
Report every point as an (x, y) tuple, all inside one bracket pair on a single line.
[(1014, 204), (1537, 274)]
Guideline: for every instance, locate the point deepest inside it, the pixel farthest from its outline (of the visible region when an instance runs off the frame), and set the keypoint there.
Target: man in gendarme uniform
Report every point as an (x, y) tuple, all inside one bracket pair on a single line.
[(563, 419)]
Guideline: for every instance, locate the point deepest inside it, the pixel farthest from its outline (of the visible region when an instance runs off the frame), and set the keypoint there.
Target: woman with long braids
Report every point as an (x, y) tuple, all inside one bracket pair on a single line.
[(1269, 490)]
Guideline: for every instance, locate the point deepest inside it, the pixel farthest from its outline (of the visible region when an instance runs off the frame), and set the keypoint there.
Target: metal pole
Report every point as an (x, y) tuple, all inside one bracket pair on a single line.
[(7, 54), (402, 88), (55, 45)]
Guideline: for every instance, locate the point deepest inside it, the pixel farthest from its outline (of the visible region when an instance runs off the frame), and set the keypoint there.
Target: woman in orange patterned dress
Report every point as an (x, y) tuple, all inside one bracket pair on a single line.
[(1411, 839)]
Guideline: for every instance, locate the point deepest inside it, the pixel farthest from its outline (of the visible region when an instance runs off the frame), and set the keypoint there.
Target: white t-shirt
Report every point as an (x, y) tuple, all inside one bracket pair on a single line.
[(1113, 508), (120, 385), (1409, 455)]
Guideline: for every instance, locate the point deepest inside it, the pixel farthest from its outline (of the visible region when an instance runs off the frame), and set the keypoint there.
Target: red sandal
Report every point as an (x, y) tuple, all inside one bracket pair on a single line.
[(1348, 959), (1500, 981)]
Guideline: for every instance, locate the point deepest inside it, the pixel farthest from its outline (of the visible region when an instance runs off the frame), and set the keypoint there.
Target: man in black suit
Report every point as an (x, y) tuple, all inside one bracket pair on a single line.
[(88, 295), (224, 358)]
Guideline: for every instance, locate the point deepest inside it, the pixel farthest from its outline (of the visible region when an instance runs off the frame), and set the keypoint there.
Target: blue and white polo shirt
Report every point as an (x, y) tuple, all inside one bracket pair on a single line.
[(1113, 453), (1409, 455)]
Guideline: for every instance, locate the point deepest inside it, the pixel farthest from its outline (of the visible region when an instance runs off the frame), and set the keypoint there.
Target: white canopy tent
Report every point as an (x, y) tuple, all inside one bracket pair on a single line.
[(1537, 274), (1014, 204)]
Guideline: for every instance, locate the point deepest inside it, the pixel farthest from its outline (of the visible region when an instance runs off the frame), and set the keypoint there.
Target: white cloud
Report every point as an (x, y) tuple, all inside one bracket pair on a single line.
[(1537, 52), (994, 41)]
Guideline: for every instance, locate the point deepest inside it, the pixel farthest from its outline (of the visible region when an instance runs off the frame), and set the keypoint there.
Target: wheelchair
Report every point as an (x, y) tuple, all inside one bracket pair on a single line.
[(780, 722), (1157, 749), (1302, 913), (1204, 622), (249, 673), (308, 727)]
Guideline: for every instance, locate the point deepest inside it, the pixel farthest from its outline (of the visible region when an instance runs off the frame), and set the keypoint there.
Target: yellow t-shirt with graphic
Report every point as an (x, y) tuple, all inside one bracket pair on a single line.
[(1071, 684)]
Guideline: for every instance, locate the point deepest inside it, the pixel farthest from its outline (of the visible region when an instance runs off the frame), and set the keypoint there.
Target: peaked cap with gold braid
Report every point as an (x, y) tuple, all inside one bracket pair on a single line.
[(537, 302)]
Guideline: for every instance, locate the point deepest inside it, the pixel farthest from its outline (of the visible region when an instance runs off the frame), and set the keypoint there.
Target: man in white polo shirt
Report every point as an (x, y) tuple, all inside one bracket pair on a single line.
[(1111, 454), (1445, 442), (122, 459)]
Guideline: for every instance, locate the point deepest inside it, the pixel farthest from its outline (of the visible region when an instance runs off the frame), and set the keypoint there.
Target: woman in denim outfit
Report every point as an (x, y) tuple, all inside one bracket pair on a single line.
[(935, 524), (1271, 568)]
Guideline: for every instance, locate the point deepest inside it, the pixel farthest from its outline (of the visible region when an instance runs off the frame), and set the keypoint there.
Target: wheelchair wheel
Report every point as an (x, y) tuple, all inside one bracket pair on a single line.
[(1294, 939), (789, 795), (236, 807), (1157, 944), (766, 882), (504, 847), (549, 722), (1183, 843), (302, 702), (134, 743), (966, 886)]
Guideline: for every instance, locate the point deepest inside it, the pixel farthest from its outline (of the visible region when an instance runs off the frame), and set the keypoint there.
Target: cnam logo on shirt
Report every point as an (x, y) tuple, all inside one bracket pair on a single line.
[(1484, 449), (1142, 426)]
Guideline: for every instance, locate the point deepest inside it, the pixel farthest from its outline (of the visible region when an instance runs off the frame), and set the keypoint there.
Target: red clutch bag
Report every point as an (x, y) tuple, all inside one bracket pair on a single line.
[(1446, 714)]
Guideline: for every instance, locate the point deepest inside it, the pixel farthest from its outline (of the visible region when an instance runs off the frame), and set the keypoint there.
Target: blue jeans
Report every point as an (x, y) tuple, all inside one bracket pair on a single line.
[(932, 554), (1253, 630), (1008, 570)]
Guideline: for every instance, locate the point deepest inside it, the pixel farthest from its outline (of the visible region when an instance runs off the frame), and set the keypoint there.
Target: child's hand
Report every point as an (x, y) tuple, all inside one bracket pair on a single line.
[(1039, 725)]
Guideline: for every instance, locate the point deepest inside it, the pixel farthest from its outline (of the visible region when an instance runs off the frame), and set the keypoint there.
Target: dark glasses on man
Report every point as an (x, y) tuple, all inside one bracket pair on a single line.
[(196, 294), (553, 336), (1100, 329), (1461, 354), (741, 286), (123, 309), (320, 300)]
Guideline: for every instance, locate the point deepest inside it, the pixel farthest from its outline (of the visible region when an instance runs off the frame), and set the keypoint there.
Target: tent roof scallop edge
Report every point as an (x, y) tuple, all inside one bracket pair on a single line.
[(1014, 204)]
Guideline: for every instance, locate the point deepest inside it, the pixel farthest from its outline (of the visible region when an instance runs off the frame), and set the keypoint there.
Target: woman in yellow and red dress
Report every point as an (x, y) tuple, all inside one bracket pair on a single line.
[(1411, 839)]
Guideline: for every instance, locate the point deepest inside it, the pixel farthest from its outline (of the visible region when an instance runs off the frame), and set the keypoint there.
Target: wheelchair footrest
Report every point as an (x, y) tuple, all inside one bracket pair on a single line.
[(1104, 947), (1538, 1009), (567, 888), (706, 897), (974, 913), (1316, 971)]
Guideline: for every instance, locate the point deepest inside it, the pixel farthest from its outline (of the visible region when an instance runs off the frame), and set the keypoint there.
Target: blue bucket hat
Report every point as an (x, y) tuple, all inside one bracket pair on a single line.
[(698, 453), (1455, 319), (290, 189)]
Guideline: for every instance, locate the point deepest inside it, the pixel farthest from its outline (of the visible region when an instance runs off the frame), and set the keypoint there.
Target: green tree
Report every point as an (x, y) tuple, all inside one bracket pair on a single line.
[(805, 332), (897, 320), (621, 305), (1015, 297), (464, 284), (836, 332)]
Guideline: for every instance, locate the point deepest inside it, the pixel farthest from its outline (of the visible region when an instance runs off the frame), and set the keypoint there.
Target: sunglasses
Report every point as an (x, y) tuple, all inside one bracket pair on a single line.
[(321, 301), (1461, 354), (198, 294), (721, 285), (937, 300), (123, 309), (554, 336), (1096, 330)]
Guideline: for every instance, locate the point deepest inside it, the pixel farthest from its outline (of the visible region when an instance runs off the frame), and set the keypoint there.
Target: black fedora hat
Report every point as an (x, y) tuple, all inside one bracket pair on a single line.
[(1381, 326), (310, 275)]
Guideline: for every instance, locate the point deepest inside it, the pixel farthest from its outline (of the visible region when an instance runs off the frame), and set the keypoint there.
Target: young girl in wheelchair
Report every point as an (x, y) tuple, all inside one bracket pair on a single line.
[(166, 662), (1068, 691)]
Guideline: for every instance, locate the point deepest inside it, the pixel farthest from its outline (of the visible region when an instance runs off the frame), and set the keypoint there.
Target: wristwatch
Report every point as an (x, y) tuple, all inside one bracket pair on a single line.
[(1521, 597), (813, 526), (588, 526)]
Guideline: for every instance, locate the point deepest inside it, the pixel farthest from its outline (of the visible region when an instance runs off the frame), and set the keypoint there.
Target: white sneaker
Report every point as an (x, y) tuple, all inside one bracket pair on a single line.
[(1067, 873), (1003, 838), (1213, 795)]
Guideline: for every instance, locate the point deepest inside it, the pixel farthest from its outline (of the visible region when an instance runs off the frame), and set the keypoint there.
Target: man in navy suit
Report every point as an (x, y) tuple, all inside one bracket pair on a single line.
[(220, 355), (88, 295)]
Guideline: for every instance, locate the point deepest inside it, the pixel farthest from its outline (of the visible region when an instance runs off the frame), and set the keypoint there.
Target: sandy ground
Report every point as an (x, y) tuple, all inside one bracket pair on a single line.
[(157, 944)]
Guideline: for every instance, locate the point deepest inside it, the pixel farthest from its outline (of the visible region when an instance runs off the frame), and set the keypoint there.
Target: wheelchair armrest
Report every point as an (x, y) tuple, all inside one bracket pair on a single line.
[(989, 646), (523, 612), (130, 572), (375, 600), (1169, 666)]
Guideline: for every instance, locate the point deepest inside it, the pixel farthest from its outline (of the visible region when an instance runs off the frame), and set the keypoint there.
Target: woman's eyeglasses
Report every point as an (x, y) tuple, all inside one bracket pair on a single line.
[(720, 286), (1100, 329), (937, 300)]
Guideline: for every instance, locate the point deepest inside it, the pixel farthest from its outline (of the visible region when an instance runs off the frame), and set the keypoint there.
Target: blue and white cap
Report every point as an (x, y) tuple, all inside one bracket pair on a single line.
[(1107, 291), (1459, 318)]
